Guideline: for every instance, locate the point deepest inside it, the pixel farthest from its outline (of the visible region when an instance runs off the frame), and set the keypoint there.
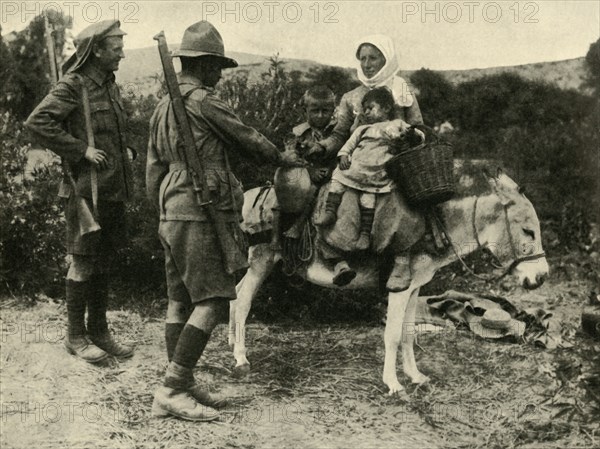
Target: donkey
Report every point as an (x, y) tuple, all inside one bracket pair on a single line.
[(503, 221)]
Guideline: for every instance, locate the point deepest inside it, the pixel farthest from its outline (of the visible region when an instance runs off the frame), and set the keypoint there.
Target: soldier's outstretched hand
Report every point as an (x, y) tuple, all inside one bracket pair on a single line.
[(290, 158)]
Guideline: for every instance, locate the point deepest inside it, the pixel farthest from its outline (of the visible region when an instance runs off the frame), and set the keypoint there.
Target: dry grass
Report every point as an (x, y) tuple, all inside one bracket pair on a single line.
[(310, 386)]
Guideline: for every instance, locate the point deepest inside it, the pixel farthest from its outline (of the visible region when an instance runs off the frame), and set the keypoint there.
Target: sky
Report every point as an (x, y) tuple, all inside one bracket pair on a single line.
[(439, 35)]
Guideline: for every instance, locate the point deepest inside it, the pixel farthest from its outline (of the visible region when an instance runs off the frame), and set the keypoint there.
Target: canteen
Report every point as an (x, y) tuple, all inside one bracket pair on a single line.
[(293, 188)]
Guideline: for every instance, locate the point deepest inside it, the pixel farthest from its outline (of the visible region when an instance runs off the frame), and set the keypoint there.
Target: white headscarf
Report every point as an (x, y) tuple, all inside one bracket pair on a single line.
[(387, 75)]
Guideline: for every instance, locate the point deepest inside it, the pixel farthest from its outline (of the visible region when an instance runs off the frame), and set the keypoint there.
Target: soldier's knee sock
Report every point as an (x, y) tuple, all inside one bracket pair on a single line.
[(172, 333), (179, 377), (98, 305), (190, 346), (76, 293)]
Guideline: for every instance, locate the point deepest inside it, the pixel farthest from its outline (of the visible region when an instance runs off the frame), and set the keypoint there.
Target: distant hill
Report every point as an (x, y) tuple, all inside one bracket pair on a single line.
[(141, 65), (566, 74)]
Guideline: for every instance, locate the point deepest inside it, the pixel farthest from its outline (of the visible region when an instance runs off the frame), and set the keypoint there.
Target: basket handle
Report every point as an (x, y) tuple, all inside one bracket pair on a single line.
[(430, 135)]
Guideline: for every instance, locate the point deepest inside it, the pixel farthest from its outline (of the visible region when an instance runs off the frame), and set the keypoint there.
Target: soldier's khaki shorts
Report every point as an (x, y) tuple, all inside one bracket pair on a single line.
[(193, 263)]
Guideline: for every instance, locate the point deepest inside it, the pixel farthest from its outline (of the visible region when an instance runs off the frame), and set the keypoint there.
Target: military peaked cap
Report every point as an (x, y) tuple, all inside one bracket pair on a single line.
[(84, 42)]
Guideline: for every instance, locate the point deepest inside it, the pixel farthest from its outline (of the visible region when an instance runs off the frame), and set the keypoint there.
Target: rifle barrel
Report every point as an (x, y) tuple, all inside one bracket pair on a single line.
[(233, 260)]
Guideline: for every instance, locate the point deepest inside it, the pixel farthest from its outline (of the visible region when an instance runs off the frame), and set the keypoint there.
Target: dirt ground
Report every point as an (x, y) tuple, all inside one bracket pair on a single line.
[(310, 386)]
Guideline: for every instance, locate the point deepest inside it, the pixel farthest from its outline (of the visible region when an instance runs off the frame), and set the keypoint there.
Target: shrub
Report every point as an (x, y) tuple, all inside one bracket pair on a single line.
[(435, 96), (278, 96), (32, 223), (139, 269)]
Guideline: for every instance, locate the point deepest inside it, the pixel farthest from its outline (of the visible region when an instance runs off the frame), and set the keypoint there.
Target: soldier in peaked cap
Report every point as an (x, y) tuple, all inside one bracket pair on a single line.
[(198, 286), (58, 123)]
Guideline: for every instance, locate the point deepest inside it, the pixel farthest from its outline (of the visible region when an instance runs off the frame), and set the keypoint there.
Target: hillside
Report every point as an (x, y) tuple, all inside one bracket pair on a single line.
[(142, 64), (566, 74)]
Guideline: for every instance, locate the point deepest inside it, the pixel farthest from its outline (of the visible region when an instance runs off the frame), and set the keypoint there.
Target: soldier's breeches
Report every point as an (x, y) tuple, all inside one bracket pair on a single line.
[(111, 236), (193, 262)]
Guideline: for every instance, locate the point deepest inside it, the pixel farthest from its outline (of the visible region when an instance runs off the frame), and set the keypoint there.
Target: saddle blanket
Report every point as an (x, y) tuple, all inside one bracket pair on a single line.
[(257, 211), (395, 225)]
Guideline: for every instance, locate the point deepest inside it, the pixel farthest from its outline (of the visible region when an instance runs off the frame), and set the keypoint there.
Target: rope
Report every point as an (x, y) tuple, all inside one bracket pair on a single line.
[(510, 266), (297, 253), (466, 267)]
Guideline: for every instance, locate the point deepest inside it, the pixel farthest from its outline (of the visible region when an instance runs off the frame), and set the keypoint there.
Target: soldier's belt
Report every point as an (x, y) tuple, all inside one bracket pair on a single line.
[(179, 165)]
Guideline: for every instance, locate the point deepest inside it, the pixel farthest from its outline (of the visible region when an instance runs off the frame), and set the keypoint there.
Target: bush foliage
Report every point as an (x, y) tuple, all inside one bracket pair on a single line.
[(32, 224)]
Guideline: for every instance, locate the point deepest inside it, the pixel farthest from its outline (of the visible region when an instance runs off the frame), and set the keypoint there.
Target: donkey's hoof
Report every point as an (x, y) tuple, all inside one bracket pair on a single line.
[(395, 389), (241, 371), (420, 379)]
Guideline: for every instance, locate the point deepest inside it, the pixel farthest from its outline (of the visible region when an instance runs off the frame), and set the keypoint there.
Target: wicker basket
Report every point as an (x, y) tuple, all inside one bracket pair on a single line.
[(424, 173)]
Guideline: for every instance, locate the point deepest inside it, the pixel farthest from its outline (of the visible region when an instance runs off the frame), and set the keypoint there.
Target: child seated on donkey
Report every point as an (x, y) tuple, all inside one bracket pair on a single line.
[(361, 167), (319, 107)]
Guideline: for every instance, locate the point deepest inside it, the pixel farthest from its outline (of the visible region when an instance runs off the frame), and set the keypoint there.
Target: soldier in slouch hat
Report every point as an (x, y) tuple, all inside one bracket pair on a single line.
[(102, 171), (199, 287)]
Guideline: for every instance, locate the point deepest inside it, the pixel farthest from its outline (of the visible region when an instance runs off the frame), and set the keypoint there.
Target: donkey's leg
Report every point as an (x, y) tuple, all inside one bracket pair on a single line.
[(409, 363), (262, 260), (422, 274), (397, 303), (232, 309)]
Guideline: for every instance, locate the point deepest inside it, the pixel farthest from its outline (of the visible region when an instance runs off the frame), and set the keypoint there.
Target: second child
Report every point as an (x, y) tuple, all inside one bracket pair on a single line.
[(362, 167)]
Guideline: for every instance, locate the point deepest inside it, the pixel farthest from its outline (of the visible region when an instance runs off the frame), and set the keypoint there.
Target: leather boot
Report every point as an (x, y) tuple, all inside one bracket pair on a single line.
[(331, 206), (366, 224), (172, 402), (401, 276), (343, 274), (184, 379), (111, 346), (83, 348), (207, 398), (97, 324), (178, 397), (77, 342), (180, 377)]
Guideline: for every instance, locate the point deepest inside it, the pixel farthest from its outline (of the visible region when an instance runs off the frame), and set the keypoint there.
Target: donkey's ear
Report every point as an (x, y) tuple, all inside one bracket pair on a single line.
[(499, 172), (492, 181), (521, 190), (486, 173)]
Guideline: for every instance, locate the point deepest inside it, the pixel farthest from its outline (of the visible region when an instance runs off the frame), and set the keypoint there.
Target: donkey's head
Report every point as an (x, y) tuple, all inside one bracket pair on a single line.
[(513, 232)]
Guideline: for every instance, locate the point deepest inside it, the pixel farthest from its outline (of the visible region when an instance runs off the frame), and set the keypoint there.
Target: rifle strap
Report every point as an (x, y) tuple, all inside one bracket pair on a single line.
[(90, 138), (87, 115)]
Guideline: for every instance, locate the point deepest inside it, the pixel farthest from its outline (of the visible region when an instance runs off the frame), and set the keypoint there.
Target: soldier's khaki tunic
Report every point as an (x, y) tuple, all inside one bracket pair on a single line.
[(194, 265), (58, 124)]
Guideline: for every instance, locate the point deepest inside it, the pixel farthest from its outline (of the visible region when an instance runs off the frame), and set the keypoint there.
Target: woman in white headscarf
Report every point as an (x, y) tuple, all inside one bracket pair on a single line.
[(377, 66)]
